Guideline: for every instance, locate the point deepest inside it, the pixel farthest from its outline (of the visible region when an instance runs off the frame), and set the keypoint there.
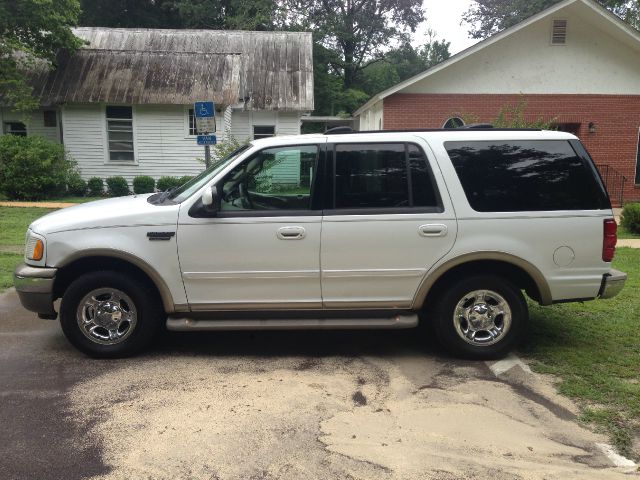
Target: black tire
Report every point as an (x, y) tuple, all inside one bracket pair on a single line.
[(146, 302), (445, 324)]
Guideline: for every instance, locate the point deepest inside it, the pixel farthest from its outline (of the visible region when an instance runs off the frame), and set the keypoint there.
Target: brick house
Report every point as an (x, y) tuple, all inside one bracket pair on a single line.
[(575, 62)]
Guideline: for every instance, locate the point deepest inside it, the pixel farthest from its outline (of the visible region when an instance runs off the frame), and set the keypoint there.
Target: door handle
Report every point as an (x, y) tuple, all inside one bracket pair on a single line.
[(432, 230), (291, 233)]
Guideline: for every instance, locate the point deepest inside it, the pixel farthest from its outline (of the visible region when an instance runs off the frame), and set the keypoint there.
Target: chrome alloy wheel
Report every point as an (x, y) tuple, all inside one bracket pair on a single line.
[(482, 317), (106, 316)]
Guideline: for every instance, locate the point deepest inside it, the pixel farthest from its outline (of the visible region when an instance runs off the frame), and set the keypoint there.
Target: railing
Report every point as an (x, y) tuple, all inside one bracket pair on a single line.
[(614, 181)]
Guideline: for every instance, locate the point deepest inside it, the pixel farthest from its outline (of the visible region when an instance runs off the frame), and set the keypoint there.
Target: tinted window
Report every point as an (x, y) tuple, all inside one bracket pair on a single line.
[(525, 176), (390, 175), (371, 176), (424, 194)]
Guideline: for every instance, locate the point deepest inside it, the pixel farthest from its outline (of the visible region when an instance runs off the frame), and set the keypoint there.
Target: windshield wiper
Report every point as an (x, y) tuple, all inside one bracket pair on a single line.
[(164, 195)]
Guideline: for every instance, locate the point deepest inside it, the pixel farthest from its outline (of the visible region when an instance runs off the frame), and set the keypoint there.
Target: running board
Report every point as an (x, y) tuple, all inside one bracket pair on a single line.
[(180, 324)]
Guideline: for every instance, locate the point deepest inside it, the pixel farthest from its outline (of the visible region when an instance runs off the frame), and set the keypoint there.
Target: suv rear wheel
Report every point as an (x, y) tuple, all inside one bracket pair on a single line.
[(481, 317), (109, 314)]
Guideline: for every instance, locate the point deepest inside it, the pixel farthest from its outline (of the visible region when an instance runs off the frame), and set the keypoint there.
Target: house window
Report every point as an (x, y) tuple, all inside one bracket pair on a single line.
[(15, 128), (263, 131), (50, 118), (638, 161), (192, 122), (120, 133), (453, 122)]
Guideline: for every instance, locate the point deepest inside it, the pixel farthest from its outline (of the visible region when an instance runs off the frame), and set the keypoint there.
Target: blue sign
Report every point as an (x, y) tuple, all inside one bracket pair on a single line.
[(207, 140), (204, 109)]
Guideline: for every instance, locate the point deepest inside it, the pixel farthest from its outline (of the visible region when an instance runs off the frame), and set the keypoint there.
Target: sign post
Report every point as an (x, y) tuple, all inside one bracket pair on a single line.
[(205, 116)]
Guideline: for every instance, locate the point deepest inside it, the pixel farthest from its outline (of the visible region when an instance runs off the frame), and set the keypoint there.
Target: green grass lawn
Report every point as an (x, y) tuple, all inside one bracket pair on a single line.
[(624, 233), (594, 348), (13, 226), (77, 199)]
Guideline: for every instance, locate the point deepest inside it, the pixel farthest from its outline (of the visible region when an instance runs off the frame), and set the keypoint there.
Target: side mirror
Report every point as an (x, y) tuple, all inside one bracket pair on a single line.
[(210, 200)]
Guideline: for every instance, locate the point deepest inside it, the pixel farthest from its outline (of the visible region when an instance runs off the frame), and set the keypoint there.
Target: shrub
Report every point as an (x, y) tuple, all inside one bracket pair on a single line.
[(96, 187), (117, 186), (165, 183), (76, 185), (143, 184), (185, 179), (33, 168), (630, 217)]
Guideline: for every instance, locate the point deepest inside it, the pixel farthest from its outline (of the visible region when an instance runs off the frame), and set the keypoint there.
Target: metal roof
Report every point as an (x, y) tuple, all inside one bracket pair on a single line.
[(271, 70)]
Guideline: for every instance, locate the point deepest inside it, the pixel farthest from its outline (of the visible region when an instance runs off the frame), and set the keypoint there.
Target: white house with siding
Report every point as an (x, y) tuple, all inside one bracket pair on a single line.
[(122, 104)]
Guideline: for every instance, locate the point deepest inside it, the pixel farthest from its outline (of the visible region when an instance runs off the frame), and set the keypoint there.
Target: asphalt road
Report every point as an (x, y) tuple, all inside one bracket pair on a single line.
[(287, 405)]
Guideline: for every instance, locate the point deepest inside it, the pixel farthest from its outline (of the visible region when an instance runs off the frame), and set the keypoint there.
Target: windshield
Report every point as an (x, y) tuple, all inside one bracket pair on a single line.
[(183, 192)]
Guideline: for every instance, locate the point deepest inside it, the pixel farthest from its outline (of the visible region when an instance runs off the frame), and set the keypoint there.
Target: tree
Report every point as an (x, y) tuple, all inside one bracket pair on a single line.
[(356, 30), (434, 51), (213, 14), (402, 63), (127, 14), (488, 17), (223, 14), (31, 34)]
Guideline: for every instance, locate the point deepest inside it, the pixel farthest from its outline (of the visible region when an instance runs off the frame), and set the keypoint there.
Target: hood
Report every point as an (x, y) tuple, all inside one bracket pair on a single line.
[(112, 212)]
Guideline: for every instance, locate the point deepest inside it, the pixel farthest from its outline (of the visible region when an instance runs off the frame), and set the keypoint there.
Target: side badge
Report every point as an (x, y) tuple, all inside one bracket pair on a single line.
[(160, 235)]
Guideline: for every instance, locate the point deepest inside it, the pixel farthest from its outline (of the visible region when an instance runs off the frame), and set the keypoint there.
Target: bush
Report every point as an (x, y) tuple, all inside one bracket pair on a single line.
[(185, 179), (165, 183), (76, 185), (143, 184), (33, 168), (630, 217), (117, 187), (96, 187)]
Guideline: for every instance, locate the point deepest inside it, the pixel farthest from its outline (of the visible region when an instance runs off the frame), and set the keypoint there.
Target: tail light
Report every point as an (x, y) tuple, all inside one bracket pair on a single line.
[(609, 240)]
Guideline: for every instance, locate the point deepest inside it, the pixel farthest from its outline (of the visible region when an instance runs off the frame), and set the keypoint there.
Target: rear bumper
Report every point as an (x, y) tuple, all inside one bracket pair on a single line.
[(612, 283), (35, 289)]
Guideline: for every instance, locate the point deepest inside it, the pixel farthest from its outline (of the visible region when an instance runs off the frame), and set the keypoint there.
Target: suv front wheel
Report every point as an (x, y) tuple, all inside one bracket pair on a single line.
[(481, 317), (109, 314)]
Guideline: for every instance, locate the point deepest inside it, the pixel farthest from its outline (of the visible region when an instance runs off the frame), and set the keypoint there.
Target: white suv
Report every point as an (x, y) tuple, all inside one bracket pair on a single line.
[(342, 230)]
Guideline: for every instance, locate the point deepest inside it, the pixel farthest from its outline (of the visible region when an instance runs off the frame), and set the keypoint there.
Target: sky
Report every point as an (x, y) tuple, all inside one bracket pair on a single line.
[(444, 17)]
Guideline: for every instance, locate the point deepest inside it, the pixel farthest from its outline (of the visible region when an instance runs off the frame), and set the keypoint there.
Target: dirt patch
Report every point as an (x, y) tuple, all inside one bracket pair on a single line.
[(236, 417)]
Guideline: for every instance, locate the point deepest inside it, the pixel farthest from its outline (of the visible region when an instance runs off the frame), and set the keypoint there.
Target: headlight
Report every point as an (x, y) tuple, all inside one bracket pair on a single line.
[(34, 249)]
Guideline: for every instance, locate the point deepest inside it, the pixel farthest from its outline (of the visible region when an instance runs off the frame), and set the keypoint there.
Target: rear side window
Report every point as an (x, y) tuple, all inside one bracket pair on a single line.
[(389, 175), (532, 175)]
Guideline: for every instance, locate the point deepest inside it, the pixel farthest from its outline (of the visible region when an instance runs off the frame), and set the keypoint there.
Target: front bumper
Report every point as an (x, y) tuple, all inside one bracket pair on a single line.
[(35, 289), (612, 283)]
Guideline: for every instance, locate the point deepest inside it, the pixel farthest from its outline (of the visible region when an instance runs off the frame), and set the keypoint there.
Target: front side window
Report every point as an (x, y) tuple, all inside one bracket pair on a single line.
[(525, 175), (272, 179), (120, 133), (15, 128), (375, 176)]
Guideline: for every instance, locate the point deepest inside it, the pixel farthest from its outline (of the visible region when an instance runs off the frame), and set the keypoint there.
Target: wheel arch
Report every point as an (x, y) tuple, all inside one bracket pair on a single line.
[(107, 259), (524, 274)]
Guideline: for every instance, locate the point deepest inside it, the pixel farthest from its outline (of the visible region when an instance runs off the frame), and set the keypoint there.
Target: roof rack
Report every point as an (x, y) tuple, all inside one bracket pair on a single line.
[(475, 126), (338, 130), (486, 127)]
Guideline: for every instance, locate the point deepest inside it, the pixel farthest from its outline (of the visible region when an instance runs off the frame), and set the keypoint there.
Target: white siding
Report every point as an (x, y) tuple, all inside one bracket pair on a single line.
[(162, 143), (34, 122), (371, 119)]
